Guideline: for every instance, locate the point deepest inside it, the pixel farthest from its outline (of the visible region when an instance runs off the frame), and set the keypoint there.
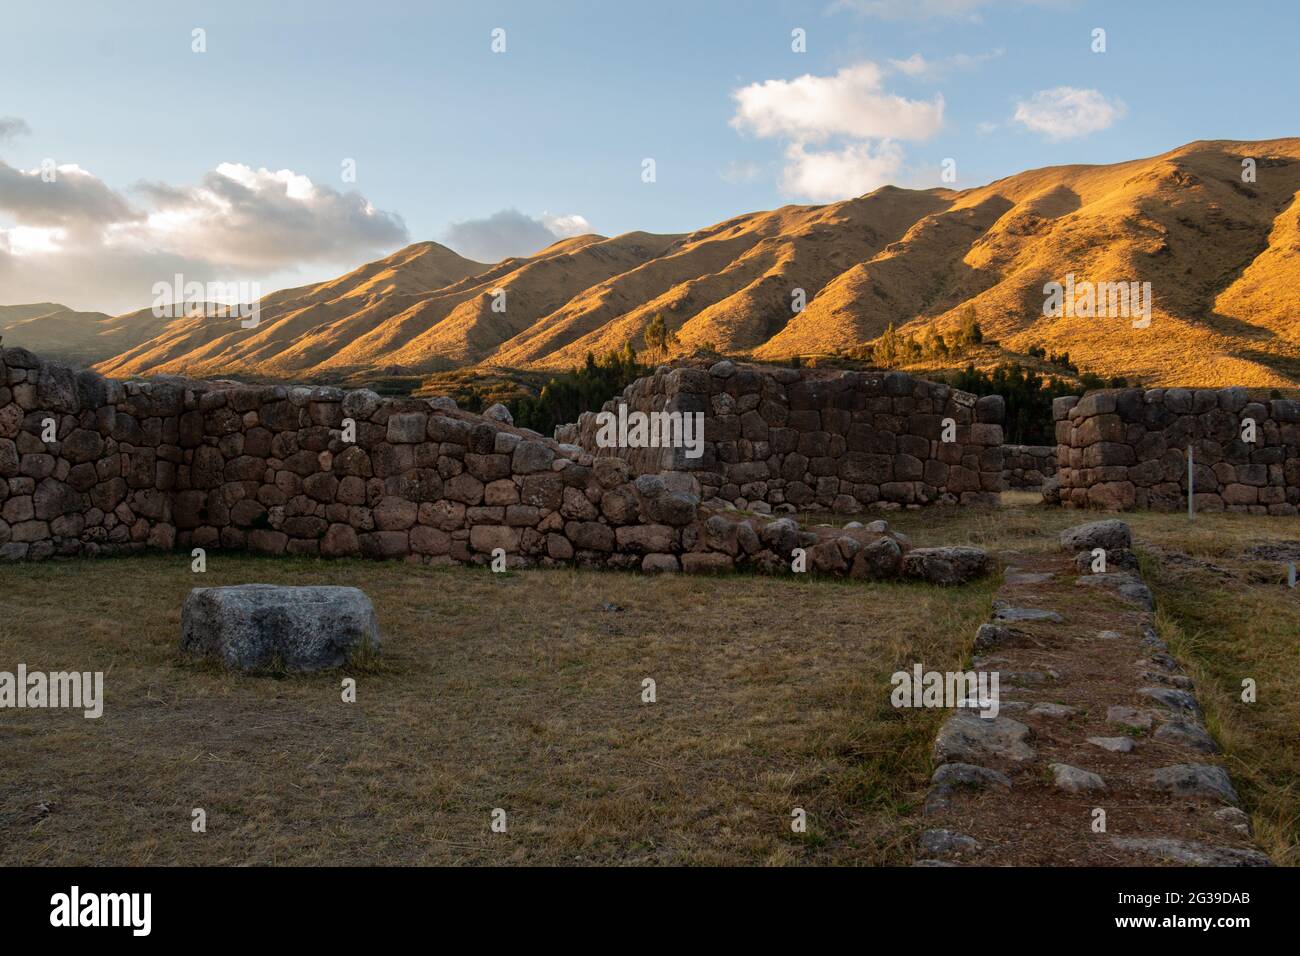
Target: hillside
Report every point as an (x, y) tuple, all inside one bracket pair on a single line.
[(1222, 257)]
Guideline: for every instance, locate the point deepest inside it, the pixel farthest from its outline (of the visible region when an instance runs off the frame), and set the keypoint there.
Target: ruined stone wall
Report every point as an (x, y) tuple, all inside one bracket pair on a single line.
[(1127, 448), (1027, 466), (790, 439), (103, 484), (90, 466)]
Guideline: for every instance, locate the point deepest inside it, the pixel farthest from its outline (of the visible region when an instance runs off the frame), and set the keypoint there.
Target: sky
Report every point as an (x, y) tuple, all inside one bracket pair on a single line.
[(288, 142)]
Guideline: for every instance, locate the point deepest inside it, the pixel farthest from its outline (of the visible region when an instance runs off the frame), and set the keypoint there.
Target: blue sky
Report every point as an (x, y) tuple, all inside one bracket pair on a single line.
[(444, 131)]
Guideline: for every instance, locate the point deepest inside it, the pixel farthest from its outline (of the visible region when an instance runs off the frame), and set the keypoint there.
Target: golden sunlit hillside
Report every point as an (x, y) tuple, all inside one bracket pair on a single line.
[(1221, 254)]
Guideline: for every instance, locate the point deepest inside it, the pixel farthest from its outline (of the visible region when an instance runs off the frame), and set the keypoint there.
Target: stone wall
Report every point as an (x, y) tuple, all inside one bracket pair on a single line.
[(1127, 448), (1027, 466), (90, 466), (790, 439)]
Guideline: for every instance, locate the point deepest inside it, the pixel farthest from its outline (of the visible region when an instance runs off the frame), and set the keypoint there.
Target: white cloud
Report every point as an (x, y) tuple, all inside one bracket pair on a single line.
[(510, 232), (825, 175), (851, 106), (850, 103), (77, 240), (1065, 112), (565, 227)]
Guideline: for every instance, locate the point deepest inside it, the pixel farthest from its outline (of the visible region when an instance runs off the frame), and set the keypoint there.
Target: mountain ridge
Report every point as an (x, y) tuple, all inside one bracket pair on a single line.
[(1222, 255)]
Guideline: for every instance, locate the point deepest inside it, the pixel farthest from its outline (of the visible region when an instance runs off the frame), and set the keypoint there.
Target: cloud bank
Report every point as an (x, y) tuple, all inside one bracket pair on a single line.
[(67, 236)]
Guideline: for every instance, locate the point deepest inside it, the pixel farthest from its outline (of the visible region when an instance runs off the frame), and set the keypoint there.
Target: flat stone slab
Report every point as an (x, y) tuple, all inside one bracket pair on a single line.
[(1177, 700), (265, 627), (1129, 717), (1026, 614), (1117, 745), (1195, 780), (966, 738), (1126, 586), (1073, 780), (1013, 575), (969, 775), (1191, 854), (1185, 733)]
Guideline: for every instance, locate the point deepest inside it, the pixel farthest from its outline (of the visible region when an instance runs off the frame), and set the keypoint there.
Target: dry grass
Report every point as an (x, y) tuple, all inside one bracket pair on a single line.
[(512, 691), (518, 691)]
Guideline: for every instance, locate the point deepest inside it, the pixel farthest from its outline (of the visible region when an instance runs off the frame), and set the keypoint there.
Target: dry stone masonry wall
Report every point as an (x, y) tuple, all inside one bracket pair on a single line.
[(90, 466), (1127, 448), (788, 439), (1027, 466)]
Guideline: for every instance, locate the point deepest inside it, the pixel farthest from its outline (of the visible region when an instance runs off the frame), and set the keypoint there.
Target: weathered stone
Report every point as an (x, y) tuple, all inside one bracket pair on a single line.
[(877, 560), (653, 563), (966, 738), (946, 843), (531, 456), (1183, 733), (590, 535), (261, 627), (705, 562), (945, 566), (1111, 534), (991, 635), (1177, 700), (1195, 780), (407, 428), (1127, 586), (1026, 614), (1190, 853), (1073, 780), (969, 775), (1129, 717)]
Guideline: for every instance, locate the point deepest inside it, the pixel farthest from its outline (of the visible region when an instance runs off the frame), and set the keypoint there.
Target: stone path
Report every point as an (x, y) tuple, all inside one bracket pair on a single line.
[(1095, 717)]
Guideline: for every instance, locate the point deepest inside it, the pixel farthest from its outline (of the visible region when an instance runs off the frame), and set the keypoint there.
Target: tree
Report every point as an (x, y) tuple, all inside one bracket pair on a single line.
[(968, 329), (585, 389), (658, 337)]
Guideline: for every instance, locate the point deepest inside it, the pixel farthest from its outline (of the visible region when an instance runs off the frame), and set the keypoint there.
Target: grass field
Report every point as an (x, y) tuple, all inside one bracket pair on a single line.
[(523, 692), (513, 691)]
